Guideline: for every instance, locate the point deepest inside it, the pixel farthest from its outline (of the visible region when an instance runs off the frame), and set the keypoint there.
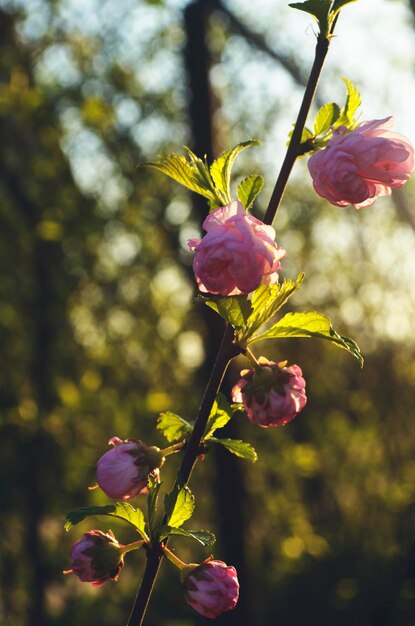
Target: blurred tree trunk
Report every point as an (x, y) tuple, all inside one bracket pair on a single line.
[(229, 484), (39, 292)]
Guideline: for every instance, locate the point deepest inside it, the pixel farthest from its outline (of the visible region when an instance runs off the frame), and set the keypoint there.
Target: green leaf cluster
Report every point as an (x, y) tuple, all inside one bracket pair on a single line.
[(323, 11), (175, 427), (179, 507), (330, 117), (212, 182), (220, 415), (248, 315)]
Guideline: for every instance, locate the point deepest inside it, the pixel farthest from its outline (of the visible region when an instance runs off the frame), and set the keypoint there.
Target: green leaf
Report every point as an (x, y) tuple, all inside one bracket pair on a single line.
[(249, 189), (179, 169), (310, 324), (152, 501), (204, 537), (326, 117), (220, 415), (203, 177), (173, 426), (266, 301), (353, 101), (238, 448), (193, 174), (179, 506), (122, 510), (221, 168), (233, 309), (319, 9)]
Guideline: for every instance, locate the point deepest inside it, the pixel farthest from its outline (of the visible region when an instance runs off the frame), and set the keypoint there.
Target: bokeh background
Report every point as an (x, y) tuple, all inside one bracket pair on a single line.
[(99, 331)]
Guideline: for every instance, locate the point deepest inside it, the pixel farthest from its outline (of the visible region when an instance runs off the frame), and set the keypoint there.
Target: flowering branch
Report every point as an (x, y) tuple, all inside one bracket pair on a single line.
[(236, 268), (227, 350)]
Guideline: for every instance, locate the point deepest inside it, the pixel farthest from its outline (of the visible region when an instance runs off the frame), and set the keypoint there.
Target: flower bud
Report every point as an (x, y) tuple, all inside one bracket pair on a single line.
[(358, 166), (237, 254), (123, 471), (211, 588), (272, 394), (96, 558)]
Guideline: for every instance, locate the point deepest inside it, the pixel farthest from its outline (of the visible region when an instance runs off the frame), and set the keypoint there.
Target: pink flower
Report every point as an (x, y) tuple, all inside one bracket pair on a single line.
[(272, 394), (237, 254), (358, 166), (96, 558), (123, 471), (211, 588)]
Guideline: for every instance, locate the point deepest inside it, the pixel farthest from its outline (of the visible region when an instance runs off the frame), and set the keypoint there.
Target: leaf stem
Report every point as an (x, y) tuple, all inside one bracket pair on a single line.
[(251, 356), (176, 447), (173, 558), (136, 545)]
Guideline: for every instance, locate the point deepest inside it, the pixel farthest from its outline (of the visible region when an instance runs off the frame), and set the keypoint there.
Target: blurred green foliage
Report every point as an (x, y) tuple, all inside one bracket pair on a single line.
[(99, 334)]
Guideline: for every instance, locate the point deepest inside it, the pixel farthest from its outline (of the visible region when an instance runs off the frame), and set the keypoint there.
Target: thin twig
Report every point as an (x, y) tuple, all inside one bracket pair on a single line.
[(294, 147)]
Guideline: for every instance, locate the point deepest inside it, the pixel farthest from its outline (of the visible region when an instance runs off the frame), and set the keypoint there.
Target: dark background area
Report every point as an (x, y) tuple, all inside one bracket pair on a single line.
[(99, 331)]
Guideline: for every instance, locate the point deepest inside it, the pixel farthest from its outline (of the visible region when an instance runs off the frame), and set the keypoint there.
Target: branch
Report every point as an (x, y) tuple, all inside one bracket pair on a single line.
[(227, 352), (228, 349), (294, 148)]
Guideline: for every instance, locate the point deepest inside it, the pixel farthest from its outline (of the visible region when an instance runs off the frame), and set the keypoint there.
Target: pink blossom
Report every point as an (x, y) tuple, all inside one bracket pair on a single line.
[(237, 254), (358, 166), (123, 471), (272, 394), (211, 588), (96, 558)]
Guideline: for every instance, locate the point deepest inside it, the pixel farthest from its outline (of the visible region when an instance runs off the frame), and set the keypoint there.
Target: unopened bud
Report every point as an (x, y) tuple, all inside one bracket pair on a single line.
[(96, 558), (123, 471), (272, 394), (211, 588)]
